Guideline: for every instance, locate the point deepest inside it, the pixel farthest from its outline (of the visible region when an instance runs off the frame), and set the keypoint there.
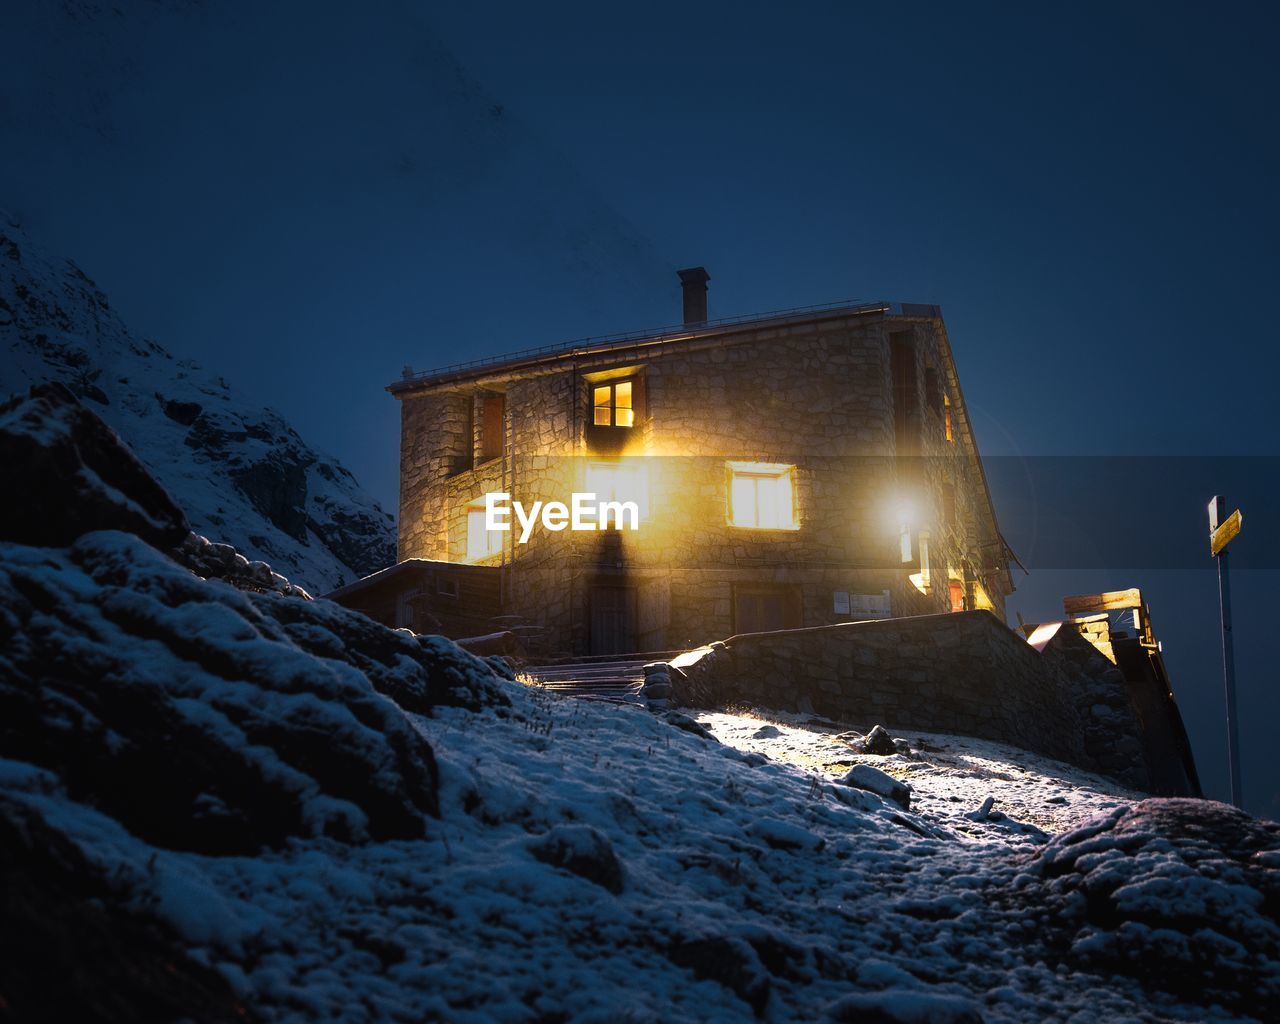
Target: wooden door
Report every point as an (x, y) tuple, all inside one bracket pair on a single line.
[(613, 619), (762, 609)]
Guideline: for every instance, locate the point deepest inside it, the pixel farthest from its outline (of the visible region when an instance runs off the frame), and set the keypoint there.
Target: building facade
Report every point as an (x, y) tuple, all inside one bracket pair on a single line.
[(787, 470)]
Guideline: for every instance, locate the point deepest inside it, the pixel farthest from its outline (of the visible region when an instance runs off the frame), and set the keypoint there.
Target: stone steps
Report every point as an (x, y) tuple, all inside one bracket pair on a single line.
[(618, 679)]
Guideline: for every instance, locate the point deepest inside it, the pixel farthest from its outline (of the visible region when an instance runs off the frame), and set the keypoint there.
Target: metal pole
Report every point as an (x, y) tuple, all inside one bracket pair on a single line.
[(1229, 679)]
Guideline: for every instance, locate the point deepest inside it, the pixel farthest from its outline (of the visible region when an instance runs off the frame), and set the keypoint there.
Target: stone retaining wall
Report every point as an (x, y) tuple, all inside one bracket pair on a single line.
[(962, 673)]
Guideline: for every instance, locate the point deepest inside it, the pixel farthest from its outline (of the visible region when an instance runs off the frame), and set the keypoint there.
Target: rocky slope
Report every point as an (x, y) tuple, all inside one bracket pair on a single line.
[(224, 804), (242, 474)]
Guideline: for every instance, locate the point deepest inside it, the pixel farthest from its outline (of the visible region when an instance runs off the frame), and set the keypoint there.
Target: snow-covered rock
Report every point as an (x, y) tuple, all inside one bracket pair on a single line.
[(878, 741), (242, 474), (208, 719), (65, 471), (873, 780), (1183, 895)]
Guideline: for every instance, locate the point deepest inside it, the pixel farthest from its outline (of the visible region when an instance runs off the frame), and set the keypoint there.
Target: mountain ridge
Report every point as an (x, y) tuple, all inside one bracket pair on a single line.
[(242, 473)]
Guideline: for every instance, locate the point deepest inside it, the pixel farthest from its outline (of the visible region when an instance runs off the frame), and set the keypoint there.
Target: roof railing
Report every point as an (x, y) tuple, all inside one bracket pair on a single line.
[(607, 341)]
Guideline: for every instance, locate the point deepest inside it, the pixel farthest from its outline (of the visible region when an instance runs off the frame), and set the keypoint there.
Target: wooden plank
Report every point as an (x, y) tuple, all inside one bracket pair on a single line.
[(1226, 533), (1109, 601)]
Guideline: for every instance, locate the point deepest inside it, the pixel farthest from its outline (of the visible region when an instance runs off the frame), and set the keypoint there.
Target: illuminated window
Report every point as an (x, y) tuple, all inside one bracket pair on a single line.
[(481, 543), (920, 580), (613, 405), (618, 482), (946, 417), (762, 496)]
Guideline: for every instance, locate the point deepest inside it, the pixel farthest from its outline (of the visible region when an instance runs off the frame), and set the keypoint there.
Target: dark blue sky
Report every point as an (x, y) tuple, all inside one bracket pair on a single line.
[(307, 199)]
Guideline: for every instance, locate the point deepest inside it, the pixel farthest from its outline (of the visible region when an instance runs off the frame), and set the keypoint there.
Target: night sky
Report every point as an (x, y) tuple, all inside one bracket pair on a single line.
[(305, 200)]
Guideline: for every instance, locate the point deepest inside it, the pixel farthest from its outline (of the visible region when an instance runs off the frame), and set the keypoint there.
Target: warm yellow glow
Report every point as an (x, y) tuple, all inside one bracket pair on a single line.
[(981, 599), (613, 405), (946, 417), (601, 398), (626, 480), (624, 414), (481, 543), (762, 496), (920, 580)]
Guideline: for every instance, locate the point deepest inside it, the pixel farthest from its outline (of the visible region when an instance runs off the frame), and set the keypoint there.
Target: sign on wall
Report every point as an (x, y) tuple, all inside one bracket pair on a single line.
[(869, 606)]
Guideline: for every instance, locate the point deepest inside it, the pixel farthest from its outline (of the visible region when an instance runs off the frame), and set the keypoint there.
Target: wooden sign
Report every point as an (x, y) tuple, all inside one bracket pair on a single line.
[(1225, 532), (1088, 604)]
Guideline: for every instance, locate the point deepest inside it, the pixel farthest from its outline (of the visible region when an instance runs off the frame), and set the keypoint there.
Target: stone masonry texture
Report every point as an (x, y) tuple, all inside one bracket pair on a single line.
[(814, 395)]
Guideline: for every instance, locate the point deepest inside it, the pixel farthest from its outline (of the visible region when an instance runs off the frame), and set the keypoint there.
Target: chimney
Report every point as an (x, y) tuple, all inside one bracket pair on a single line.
[(694, 282)]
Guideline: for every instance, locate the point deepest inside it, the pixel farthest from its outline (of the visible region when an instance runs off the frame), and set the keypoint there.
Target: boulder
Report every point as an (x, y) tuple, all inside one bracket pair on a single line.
[(878, 741), (207, 719), (1180, 895), (66, 472), (73, 950), (212, 561), (873, 780), (684, 722), (728, 961), (583, 851), (984, 812)]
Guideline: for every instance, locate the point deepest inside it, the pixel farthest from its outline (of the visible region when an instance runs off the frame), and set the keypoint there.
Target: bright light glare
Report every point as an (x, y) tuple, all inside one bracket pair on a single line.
[(620, 481), (762, 496), (481, 543)]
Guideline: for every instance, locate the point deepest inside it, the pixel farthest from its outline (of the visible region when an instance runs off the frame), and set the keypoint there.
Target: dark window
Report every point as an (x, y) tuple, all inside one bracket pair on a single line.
[(906, 394), (932, 392), (447, 588), (492, 412), (948, 504)]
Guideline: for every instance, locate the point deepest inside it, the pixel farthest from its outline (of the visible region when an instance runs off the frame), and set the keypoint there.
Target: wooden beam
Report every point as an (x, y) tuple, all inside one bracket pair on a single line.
[(1110, 601)]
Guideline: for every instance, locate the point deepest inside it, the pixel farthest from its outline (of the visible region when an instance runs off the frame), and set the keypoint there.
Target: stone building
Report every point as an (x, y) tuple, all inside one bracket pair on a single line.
[(790, 469)]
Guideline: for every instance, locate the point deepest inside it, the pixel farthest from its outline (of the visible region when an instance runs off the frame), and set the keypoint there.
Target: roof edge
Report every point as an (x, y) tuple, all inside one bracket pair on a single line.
[(656, 336)]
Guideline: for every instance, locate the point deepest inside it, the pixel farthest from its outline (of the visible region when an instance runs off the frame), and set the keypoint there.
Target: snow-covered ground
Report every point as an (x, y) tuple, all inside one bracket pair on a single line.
[(280, 802), (950, 776), (596, 862)]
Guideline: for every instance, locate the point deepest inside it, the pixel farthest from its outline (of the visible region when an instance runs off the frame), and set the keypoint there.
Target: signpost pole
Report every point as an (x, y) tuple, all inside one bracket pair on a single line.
[(1217, 508)]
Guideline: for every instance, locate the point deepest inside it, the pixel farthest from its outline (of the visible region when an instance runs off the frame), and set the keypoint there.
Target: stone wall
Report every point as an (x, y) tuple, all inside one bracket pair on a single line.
[(815, 395), (1111, 730), (962, 673)]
